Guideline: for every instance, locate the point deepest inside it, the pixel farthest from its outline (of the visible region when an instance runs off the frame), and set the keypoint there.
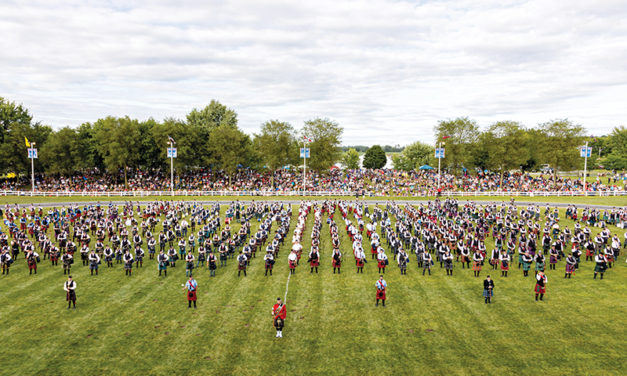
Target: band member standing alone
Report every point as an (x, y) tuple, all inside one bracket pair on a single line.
[(381, 286), (279, 312), (541, 281), (70, 292), (488, 290), (191, 286)]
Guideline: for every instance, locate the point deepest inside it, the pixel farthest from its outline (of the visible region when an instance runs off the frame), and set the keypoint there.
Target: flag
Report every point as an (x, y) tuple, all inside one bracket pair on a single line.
[(445, 137), (26, 142), (306, 139), (171, 140)]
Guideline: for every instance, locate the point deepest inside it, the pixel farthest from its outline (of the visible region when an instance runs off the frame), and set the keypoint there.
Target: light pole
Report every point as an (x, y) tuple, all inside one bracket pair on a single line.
[(439, 154), (585, 153), (304, 153), (172, 155)]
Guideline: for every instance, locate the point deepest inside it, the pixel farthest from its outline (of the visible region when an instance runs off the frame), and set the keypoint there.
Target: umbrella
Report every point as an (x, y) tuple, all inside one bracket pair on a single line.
[(425, 167)]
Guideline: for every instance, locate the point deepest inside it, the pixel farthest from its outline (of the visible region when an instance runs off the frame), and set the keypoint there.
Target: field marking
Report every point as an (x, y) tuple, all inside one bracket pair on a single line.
[(286, 288)]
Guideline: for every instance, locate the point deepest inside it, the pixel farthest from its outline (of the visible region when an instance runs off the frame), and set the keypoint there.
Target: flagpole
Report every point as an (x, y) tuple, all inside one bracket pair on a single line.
[(32, 168)]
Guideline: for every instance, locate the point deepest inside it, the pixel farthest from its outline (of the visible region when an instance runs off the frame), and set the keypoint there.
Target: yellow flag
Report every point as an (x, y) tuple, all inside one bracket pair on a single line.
[(26, 141)]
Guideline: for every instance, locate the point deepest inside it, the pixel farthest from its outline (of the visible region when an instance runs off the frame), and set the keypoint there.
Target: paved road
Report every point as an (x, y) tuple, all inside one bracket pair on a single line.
[(296, 201)]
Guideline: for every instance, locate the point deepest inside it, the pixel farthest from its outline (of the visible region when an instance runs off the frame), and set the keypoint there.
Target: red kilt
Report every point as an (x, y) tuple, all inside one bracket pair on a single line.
[(360, 263), (476, 266), (381, 294), (381, 264), (241, 266), (337, 264), (540, 289), (505, 266), (191, 295), (373, 250), (589, 252), (32, 265), (314, 263), (292, 264)]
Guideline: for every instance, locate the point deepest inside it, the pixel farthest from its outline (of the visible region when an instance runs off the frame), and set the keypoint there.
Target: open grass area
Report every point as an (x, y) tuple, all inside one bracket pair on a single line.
[(605, 200), (432, 324)]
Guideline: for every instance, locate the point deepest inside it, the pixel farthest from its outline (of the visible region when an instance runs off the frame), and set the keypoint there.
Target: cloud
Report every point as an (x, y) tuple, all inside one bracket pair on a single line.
[(386, 70)]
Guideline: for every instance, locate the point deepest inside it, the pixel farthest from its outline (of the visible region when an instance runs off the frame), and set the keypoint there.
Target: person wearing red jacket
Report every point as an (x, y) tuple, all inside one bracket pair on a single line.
[(279, 312)]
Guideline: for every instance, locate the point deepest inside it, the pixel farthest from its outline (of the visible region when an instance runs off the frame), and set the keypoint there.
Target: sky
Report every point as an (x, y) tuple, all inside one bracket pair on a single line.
[(386, 70)]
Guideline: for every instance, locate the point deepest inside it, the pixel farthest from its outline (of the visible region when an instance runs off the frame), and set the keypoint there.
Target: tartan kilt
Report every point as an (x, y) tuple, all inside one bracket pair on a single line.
[(540, 289), (526, 266), (494, 261), (589, 252), (505, 265), (476, 266), (487, 293), (599, 268), (570, 268), (292, 264), (359, 263), (314, 263), (337, 263), (465, 259), (381, 264), (539, 266), (241, 266), (448, 265), (191, 296), (381, 294), (553, 260)]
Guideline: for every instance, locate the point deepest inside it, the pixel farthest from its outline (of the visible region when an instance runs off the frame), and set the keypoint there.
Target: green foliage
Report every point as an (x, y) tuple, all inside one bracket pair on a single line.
[(13, 151), (276, 144), (462, 134), (505, 144), (229, 147), (560, 142), (413, 156), (375, 157), (118, 141), (12, 113), (212, 116), (61, 151), (326, 136), (350, 159)]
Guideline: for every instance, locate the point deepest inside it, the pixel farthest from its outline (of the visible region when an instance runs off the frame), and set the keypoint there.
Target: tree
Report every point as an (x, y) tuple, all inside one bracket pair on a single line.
[(560, 144), (12, 113), (61, 151), (13, 154), (505, 143), (375, 158), (118, 141), (87, 148), (617, 143), (326, 136), (277, 145), (189, 143), (230, 148), (459, 136), (212, 116), (413, 156), (350, 159)]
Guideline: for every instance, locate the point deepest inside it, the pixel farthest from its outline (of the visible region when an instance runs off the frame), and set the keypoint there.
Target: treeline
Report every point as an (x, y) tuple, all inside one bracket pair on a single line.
[(505, 146), (211, 137), (207, 137)]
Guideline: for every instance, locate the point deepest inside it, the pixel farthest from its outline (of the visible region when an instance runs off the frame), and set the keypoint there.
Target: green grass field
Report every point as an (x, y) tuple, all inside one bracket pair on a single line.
[(432, 325)]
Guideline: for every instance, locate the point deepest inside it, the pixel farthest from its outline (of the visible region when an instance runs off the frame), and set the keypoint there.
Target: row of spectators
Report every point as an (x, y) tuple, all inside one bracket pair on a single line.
[(370, 182)]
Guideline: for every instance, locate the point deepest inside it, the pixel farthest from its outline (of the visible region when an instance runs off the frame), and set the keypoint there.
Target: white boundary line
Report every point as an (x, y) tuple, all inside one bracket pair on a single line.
[(286, 288)]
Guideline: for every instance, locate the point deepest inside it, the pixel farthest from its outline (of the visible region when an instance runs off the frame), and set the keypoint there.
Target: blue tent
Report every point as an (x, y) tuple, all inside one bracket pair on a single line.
[(425, 167)]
